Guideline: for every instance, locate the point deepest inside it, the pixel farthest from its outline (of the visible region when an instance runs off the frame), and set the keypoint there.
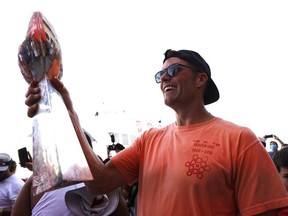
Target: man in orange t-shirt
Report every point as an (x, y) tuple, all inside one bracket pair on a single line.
[(199, 165)]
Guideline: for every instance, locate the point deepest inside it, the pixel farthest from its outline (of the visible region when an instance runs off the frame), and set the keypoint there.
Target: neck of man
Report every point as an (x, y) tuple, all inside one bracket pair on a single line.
[(190, 117)]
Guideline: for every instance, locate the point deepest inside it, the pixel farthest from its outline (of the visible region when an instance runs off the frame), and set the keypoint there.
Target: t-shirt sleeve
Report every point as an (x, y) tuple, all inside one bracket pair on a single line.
[(258, 185), (15, 188), (127, 161)]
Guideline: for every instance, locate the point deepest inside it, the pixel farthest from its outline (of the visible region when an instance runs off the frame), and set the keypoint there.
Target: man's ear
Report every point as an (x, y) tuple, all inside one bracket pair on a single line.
[(202, 79), (12, 166)]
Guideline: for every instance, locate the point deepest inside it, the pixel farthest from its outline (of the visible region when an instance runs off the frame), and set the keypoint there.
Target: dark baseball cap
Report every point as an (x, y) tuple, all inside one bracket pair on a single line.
[(211, 93)]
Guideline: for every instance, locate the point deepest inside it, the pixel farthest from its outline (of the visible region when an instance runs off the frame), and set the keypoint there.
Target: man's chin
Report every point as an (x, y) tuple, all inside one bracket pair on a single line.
[(168, 103)]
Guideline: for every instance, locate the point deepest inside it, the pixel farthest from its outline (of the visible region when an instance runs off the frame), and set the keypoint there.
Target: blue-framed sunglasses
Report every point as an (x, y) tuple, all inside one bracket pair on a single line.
[(172, 71)]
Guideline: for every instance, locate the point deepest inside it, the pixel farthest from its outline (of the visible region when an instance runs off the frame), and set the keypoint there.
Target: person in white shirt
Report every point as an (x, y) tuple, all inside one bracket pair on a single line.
[(10, 184)]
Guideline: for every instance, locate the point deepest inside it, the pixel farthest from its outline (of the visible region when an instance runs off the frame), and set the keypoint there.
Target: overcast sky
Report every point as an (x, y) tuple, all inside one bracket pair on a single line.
[(112, 49)]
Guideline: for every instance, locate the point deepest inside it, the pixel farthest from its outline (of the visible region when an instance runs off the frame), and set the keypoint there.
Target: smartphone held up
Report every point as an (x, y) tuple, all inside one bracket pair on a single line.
[(24, 156)]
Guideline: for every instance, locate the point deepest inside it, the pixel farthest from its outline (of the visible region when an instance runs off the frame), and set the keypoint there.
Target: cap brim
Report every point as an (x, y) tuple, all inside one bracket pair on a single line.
[(211, 93), (3, 168)]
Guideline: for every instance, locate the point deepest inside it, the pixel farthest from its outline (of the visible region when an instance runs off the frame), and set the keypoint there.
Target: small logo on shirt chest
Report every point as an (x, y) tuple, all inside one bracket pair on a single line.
[(197, 166)]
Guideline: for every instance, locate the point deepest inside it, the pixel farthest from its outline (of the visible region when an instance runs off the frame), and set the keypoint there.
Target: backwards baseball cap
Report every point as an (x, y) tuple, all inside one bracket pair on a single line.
[(81, 202), (5, 160), (211, 93)]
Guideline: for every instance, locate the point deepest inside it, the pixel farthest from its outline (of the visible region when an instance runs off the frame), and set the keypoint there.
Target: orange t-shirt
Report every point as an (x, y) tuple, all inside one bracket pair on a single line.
[(211, 168)]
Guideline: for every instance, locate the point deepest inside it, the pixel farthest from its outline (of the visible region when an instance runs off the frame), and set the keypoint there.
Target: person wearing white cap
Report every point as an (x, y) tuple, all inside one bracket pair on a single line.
[(10, 184)]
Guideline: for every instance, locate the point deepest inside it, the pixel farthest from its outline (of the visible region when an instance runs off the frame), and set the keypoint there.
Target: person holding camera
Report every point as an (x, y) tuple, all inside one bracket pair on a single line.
[(198, 165), (274, 148), (273, 144), (10, 184)]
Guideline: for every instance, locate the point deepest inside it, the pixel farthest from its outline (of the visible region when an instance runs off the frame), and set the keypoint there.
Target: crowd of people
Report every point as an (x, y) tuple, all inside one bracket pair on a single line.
[(273, 144), (59, 201), (198, 165)]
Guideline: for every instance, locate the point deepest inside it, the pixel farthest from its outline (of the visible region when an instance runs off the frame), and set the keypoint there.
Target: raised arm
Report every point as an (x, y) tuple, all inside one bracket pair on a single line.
[(106, 177), (277, 138)]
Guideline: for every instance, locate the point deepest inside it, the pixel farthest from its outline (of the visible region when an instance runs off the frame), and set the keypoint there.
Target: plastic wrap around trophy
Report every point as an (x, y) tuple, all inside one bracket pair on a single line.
[(58, 159)]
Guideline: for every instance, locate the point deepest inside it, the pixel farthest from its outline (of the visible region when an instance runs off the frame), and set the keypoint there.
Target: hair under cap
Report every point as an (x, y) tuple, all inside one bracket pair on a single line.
[(211, 94)]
